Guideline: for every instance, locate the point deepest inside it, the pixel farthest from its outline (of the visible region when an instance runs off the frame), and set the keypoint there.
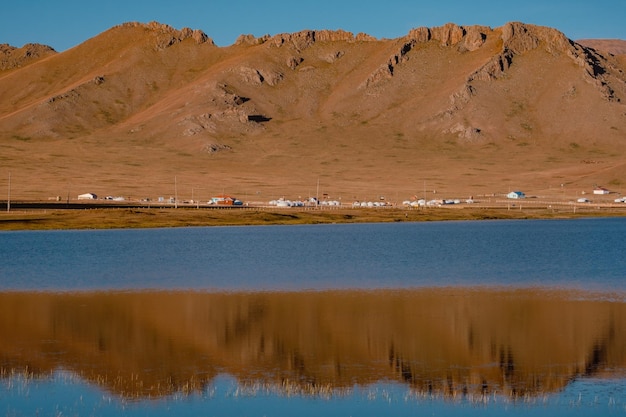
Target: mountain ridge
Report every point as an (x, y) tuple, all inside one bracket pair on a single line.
[(493, 106)]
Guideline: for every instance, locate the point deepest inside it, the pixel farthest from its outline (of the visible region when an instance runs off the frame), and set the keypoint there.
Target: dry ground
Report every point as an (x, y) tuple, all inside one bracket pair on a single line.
[(188, 216), (134, 111)]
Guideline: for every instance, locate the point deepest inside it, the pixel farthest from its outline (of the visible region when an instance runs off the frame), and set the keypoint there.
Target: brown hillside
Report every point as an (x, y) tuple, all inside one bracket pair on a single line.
[(12, 57), (458, 110), (613, 46)]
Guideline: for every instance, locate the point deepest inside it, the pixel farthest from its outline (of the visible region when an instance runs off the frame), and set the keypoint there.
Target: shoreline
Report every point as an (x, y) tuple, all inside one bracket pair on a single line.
[(101, 216)]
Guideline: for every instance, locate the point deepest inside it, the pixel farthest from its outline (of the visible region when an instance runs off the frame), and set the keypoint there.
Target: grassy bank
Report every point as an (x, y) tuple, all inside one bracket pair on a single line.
[(105, 218)]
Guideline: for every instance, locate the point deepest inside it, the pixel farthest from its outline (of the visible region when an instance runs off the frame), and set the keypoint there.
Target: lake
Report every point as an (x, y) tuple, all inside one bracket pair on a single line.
[(444, 318)]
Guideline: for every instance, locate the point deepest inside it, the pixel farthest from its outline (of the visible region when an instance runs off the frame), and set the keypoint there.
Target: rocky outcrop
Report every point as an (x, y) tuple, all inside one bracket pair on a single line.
[(466, 38), (271, 77), (475, 37), (332, 57), (71, 95), (251, 75), (251, 40), (596, 68), (519, 38), (384, 72), (215, 147), (197, 124), (333, 36), (465, 133), (307, 38), (294, 61), (260, 76), (288, 80), (448, 35), (12, 57), (469, 39), (299, 40), (197, 35), (364, 37), (168, 36), (227, 111), (421, 35)]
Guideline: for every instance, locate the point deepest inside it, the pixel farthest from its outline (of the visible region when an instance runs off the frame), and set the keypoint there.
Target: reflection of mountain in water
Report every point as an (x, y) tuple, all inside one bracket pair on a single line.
[(445, 341)]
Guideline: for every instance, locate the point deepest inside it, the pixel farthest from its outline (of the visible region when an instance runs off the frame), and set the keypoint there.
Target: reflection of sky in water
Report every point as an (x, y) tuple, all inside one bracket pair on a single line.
[(585, 253), (446, 351), (66, 394)]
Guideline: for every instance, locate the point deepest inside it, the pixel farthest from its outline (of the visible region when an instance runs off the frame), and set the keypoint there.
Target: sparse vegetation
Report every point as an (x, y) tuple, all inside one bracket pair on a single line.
[(340, 119), (190, 216)]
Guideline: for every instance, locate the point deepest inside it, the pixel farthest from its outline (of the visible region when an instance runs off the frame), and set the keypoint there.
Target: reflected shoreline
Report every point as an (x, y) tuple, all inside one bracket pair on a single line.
[(443, 341)]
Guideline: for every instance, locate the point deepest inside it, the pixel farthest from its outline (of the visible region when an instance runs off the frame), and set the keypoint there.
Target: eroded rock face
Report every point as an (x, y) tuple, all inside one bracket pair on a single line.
[(215, 147), (307, 38), (251, 75), (518, 38), (332, 57), (468, 38), (271, 77), (333, 36), (448, 34), (223, 110), (475, 37), (251, 40), (421, 34), (260, 76), (364, 37), (299, 40), (384, 72), (293, 62), (466, 133)]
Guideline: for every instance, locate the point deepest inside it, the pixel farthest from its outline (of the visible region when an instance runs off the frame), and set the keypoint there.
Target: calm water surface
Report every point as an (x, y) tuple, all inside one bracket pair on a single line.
[(444, 318), (570, 253)]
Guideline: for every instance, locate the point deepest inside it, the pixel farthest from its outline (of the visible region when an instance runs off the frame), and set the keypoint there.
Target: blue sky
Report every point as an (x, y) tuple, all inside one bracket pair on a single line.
[(63, 24)]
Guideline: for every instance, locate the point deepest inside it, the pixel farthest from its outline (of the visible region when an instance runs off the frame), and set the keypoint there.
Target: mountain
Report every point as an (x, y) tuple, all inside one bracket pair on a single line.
[(145, 110)]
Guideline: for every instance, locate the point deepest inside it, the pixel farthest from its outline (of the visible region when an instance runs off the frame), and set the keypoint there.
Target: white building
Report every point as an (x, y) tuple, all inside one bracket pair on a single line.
[(516, 195), (87, 196)]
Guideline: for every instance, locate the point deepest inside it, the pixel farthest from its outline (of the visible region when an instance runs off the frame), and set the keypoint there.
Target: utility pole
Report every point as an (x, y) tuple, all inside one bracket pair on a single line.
[(317, 193)]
